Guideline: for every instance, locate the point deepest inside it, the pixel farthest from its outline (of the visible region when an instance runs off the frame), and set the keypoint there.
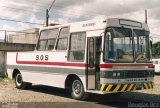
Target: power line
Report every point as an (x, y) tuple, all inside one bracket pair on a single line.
[(51, 5), (47, 13), (20, 21)]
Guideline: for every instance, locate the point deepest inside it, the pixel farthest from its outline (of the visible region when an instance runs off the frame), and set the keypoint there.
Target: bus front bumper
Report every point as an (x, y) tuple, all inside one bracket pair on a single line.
[(113, 88)]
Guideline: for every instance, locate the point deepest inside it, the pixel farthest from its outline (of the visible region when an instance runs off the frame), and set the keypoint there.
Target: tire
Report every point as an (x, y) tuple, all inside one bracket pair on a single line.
[(77, 90), (116, 94), (19, 82)]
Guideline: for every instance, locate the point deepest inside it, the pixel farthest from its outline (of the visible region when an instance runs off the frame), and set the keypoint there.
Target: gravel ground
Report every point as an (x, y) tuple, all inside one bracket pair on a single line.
[(39, 93)]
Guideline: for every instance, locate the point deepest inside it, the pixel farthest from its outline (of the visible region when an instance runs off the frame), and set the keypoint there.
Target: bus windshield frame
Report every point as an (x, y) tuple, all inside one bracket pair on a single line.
[(126, 45)]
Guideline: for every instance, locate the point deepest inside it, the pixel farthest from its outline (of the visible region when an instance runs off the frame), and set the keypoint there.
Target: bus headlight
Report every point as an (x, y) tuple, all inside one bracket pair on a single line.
[(118, 74), (151, 73), (114, 75)]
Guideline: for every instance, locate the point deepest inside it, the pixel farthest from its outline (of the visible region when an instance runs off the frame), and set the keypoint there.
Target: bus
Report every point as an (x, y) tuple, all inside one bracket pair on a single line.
[(108, 55)]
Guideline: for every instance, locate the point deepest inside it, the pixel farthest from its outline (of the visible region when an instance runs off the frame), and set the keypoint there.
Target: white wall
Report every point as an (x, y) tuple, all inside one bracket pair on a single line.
[(26, 36), (2, 63)]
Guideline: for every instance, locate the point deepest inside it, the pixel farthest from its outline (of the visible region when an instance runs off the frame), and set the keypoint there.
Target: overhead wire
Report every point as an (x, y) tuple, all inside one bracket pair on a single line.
[(20, 21)]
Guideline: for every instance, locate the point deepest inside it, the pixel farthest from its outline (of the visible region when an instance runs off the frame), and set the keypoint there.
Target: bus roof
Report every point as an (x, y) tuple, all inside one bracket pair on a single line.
[(101, 24)]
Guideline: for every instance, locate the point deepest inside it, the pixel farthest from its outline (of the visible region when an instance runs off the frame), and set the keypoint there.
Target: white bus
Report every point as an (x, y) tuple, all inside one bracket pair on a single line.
[(96, 56)]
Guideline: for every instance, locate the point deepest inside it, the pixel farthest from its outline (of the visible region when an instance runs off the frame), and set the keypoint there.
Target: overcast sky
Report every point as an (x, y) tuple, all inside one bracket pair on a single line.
[(64, 11)]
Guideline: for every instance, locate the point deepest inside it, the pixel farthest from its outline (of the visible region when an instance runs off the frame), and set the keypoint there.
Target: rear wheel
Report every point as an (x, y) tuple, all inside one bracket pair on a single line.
[(19, 82), (77, 90)]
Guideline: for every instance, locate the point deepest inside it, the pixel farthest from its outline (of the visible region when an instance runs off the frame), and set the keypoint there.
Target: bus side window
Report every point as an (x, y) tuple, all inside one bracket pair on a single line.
[(62, 41), (77, 47), (47, 39)]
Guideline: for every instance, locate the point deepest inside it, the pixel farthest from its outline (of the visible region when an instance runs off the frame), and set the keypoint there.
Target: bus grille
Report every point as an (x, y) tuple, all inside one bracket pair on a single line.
[(136, 74)]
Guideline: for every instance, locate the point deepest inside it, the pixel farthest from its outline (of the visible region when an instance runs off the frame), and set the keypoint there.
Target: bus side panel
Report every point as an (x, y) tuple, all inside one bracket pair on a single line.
[(55, 80), (44, 78), (52, 71)]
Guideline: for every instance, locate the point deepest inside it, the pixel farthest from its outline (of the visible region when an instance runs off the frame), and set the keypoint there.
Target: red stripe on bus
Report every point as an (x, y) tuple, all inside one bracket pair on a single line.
[(49, 63), (77, 64)]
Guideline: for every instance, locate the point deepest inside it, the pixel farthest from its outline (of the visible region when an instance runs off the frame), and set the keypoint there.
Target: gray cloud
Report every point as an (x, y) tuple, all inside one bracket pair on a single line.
[(155, 13), (73, 10), (66, 3)]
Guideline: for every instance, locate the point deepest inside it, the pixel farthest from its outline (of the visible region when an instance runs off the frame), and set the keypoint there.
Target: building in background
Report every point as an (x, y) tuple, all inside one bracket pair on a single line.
[(29, 36), (26, 37)]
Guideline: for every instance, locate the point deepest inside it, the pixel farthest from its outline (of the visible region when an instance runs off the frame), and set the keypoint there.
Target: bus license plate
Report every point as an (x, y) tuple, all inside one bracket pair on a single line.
[(139, 85)]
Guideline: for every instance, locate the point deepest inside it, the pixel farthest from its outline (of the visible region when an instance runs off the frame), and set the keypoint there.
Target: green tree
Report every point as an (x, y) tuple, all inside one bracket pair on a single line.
[(156, 50)]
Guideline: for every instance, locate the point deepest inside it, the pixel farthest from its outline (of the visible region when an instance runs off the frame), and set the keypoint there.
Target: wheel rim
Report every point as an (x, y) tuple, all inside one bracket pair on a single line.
[(19, 80), (77, 87)]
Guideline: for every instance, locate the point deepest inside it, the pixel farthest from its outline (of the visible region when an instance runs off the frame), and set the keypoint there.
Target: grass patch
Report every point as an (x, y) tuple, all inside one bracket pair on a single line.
[(5, 79)]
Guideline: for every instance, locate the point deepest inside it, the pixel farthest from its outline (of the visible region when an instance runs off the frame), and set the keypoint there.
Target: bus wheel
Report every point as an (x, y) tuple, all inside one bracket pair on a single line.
[(77, 90), (19, 82)]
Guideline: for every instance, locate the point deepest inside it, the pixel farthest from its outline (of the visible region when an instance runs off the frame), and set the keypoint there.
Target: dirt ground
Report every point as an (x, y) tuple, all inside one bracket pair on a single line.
[(45, 94)]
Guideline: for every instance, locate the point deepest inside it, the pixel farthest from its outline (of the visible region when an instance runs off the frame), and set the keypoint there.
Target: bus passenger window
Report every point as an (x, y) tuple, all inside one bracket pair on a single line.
[(47, 39), (62, 42), (42, 45), (50, 44), (77, 47)]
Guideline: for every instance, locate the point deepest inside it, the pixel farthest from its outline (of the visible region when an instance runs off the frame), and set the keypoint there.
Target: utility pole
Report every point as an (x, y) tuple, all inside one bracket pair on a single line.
[(146, 16), (47, 17), (47, 13), (5, 39)]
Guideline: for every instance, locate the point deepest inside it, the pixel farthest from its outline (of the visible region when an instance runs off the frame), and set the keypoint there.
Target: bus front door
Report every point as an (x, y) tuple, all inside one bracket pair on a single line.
[(93, 61)]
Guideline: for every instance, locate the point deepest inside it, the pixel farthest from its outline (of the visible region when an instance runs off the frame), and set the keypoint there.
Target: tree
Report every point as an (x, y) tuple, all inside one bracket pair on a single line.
[(156, 50)]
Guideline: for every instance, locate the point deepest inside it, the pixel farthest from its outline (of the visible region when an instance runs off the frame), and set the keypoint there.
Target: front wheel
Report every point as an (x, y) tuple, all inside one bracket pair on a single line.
[(19, 82), (77, 90)]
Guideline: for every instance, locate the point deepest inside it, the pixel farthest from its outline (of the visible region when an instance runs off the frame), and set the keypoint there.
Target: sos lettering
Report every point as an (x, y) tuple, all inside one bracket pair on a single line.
[(42, 57)]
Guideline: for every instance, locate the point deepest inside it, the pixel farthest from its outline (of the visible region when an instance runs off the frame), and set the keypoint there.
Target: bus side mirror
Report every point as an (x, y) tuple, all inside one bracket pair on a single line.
[(108, 34), (151, 44), (100, 50)]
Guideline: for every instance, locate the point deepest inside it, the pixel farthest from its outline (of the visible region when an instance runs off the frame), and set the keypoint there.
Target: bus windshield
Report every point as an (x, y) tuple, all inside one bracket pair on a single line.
[(122, 46), (118, 45)]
